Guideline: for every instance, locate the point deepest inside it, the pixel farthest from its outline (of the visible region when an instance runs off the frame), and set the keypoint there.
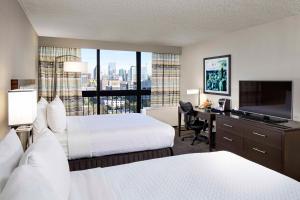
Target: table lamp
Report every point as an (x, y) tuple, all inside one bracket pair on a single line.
[(22, 107), (194, 92), (22, 110)]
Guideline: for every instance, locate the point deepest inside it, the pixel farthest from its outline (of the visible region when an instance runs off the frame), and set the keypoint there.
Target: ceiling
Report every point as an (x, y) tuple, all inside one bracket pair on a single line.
[(155, 22)]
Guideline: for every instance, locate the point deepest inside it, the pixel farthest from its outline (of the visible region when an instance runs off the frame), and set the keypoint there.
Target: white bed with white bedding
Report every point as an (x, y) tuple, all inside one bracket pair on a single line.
[(42, 173), (100, 135), (205, 176)]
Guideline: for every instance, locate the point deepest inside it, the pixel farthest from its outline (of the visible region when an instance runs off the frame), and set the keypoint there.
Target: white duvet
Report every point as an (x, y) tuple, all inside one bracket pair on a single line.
[(202, 176), (99, 135)]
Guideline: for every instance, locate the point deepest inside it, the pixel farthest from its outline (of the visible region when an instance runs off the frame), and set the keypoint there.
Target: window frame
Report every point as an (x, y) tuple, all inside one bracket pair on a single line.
[(100, 93)]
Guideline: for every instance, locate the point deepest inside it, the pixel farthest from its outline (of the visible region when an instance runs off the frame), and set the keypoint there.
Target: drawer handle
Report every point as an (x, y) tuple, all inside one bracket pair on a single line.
[(258, 134), (228, 139), (258, 150), (227, 125)]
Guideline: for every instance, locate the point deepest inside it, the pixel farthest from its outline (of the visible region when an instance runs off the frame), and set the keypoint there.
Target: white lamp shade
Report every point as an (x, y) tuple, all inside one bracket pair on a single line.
[(80, 67), (192, 91), (22, 107)]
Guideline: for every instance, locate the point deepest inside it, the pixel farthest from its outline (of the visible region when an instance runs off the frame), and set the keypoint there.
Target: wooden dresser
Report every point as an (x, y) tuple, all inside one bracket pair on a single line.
[(274, 146)]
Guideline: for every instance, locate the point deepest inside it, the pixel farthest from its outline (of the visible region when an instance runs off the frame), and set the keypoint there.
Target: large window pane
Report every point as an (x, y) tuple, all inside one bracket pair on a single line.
[(117, 70), (146, 70), (89, 82)]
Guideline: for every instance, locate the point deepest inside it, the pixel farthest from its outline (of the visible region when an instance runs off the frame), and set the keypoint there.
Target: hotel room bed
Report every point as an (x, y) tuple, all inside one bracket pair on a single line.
[(42, 172), (206, 176), (107, 140)]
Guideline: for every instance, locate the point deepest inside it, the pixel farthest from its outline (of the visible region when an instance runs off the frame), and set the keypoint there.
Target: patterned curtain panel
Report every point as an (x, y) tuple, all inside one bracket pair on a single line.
[(54, 81), (165, 89)]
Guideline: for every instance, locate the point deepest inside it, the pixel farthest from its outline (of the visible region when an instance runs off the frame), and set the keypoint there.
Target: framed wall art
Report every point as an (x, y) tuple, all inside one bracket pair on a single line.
[(217, 75)]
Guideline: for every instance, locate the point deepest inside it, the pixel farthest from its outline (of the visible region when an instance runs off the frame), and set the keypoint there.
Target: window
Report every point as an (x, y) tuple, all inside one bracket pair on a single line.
[(118, 70), (146, 75), (124, 84), (146, 70), (89, 81)]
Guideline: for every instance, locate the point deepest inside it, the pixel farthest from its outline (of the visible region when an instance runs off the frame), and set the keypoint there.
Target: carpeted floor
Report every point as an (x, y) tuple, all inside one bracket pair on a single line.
[(183, 147)]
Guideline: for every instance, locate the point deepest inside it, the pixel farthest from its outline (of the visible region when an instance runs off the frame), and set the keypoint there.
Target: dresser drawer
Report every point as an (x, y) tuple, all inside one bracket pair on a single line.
[(263, 154), (229, 125), (267, 136), (229, 142)]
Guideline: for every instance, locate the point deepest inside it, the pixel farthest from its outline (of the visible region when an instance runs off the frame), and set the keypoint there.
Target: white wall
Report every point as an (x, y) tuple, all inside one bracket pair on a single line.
[(266, 52), (18, 52)]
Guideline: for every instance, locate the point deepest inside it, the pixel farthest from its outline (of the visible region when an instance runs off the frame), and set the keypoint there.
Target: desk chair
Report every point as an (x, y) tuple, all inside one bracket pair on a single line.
[(191, 122)]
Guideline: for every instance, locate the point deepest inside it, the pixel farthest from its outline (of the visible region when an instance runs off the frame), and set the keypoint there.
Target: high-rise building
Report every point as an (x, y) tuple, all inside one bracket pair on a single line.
[(122, 74), (95, 73), (112, 71), (132, 74), (144, 73)]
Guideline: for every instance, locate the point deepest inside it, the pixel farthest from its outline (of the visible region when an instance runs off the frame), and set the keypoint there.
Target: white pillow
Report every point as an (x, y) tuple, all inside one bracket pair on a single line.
[(56, 116), (27, 184), (48, 158), (11, 151), (40, 123)]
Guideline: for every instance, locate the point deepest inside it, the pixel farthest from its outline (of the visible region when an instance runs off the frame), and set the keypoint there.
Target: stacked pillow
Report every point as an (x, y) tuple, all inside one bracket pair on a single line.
[(27, 184), (56, 116), (43, 172), (52, 115), (11, 151), (40, 123)]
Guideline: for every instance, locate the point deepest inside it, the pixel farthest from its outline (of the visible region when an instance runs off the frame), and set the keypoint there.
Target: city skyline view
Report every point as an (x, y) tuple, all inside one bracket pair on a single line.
[(117, 70), (122, 60)]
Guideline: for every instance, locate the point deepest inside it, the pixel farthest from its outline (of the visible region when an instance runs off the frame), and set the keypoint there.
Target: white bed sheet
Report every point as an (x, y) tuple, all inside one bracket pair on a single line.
[(205, 176), (99, 135)]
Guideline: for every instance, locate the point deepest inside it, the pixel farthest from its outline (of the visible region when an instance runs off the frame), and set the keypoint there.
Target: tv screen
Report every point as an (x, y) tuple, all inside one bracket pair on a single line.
[(270, 98)]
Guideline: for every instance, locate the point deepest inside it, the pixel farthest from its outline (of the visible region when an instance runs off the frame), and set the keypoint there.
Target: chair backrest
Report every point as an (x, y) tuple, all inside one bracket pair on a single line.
[(188, 113)]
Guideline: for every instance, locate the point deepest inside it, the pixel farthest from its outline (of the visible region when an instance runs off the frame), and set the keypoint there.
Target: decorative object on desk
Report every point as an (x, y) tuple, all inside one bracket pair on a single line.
[(194, 92), (22, 109), (217, 77), (206, 104), (224, 105)]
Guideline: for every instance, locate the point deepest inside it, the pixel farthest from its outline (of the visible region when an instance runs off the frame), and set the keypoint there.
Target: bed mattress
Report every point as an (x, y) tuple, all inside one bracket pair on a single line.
[(100, 135), (205, 176)]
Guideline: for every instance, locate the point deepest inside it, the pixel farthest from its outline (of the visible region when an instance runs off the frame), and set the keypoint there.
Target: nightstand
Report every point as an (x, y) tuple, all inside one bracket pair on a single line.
[(25, 135)]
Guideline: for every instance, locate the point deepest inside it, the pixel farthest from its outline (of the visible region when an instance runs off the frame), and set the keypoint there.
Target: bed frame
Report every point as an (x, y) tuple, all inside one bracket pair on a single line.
[(118, 159)]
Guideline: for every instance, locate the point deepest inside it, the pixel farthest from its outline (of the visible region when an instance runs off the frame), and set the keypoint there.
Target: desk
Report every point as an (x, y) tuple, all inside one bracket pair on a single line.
[(204, 115)]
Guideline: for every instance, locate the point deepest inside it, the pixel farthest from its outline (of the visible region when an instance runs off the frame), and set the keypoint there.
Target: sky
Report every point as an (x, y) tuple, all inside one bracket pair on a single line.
[(123, 59)]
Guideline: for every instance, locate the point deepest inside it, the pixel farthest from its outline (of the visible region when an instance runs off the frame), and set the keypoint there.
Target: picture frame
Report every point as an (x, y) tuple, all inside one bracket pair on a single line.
[(217, 75)]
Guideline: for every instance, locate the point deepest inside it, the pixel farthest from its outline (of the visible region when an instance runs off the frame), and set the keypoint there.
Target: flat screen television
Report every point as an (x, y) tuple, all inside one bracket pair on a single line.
[(267, 98)]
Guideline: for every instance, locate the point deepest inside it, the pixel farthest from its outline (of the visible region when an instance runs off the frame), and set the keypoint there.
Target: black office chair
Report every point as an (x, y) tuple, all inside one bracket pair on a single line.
[(191, 122)]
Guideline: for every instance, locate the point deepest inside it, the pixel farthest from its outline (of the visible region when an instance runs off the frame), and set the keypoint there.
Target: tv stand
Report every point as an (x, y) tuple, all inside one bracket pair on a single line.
[(275, 146)]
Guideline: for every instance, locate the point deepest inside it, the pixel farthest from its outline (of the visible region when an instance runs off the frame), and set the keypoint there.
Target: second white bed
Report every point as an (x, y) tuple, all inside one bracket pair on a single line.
[(99, 135), (205, 176)]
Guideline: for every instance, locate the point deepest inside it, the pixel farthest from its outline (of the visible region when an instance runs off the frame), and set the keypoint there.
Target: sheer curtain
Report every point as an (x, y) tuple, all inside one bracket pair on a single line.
[(165, 88), (54, 81)]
